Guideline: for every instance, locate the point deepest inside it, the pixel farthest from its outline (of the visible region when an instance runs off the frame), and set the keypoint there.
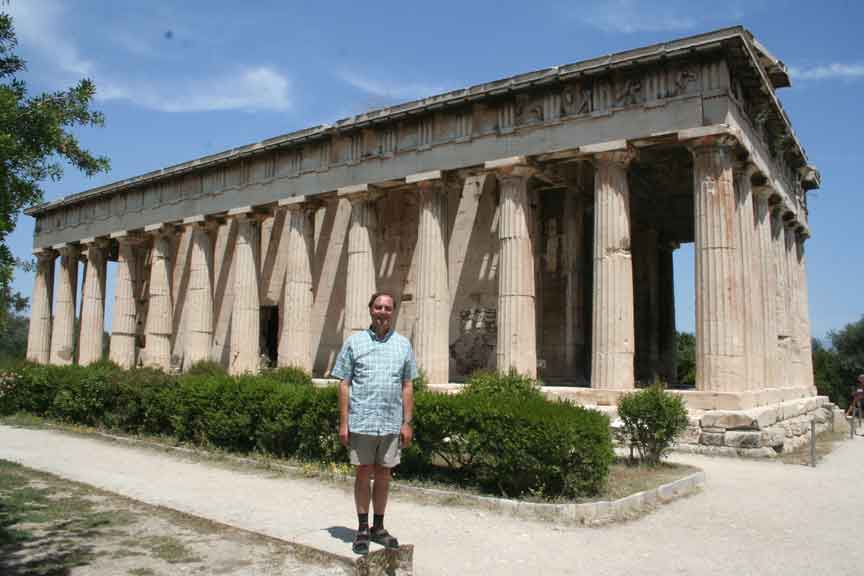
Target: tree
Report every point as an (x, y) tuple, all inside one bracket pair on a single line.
[(35, 141), (686, 343), (836, 369)]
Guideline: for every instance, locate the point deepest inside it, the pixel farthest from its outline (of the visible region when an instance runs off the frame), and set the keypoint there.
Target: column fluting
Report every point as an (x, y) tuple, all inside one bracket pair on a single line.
[(199, 298), (749, 278), (295, 342), (124, 317), (63, 326), (613, 323), (804, 317), (39, 334), (360, 281), (431, 336), (92, 329), (767, 313), (160, 316), (719, 304), (246, 311), (517, 341)]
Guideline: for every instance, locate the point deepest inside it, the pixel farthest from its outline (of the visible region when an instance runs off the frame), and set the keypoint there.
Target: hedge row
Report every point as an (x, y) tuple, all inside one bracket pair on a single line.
[(500, 434)]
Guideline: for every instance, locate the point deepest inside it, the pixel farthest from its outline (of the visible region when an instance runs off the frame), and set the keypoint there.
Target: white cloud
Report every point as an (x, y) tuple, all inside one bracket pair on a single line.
[(389, 89), (629, 16), (257, 88), (37, 26), (41, 27), (827, 71)]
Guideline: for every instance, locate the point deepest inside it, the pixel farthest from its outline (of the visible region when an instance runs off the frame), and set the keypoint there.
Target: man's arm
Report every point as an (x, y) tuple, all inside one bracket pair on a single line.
[(407, 431), (344, 395)]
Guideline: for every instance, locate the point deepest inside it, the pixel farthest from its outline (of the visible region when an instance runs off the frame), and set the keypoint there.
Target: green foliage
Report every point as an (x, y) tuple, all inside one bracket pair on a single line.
[(512, 384), (421, 383), (652, 419), (290, 375), (686, 343), (37, 136), (836, 367), (206, 368), (501, 435), (13, 337)]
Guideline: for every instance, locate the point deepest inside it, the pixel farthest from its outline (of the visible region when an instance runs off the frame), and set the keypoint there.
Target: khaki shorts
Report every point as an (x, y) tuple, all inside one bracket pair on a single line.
[(365, 449)]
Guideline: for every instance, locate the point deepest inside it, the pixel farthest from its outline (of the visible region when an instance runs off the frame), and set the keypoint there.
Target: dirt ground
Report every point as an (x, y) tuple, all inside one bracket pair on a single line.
[(53, 527)]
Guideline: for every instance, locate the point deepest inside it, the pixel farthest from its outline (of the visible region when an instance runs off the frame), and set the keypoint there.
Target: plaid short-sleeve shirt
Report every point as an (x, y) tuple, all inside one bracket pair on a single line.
[(376, 367)]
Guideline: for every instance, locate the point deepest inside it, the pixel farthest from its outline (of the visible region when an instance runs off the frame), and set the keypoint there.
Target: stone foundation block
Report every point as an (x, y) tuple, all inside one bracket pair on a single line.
[(773, 437), (691, 435), (763, 452), (713, 438), (743, 439), (820, 416), (728, 420), (840, 422), (764, 416)]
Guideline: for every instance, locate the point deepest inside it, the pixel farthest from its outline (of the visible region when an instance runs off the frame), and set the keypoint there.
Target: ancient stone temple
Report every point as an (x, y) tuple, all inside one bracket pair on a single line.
[(528, 222)]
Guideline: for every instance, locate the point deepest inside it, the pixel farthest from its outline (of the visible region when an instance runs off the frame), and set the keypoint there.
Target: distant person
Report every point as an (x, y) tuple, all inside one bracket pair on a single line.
[(376, 402), (856, 405)]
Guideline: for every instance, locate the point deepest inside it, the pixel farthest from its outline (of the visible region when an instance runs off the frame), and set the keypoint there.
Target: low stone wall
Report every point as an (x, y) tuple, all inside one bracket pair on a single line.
[(760, 432)]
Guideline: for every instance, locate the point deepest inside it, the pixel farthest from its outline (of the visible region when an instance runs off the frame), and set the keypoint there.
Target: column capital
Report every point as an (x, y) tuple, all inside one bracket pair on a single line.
[(43, 254), (513, 167), (162, 229), (67, 249), (623, 156), (297, 203), (763, 192), (359, 193), (712, 142)]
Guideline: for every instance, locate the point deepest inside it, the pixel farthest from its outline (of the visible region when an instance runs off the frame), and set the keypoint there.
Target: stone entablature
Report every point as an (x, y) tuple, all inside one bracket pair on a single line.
[(645, 96)]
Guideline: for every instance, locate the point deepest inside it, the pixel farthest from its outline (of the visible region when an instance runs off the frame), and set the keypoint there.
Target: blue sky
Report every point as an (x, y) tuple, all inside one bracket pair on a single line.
[(178, 80)]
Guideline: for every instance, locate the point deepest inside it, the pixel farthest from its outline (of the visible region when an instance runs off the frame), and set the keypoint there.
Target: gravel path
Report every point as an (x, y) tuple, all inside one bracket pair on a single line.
[(752, 518)]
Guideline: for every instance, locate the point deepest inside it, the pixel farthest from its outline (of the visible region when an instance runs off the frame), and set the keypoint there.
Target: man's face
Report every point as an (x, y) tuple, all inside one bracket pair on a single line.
[(382, 312)]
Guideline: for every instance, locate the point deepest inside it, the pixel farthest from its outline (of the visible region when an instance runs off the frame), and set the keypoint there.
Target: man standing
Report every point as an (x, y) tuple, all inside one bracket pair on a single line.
[(376, 403)]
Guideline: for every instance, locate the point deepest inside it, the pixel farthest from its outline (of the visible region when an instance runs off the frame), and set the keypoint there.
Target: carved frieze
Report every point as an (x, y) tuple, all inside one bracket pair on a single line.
[(577, 99), (628, 91), (528, 109), (506, 116)]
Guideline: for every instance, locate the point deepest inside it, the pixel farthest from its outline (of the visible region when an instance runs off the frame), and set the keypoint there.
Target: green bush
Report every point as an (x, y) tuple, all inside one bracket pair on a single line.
[(290, 375), (652, 419), (501, 434), (512, 384)]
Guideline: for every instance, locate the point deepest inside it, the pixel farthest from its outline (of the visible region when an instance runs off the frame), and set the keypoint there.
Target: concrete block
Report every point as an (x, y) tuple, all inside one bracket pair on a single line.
[(743, 439)]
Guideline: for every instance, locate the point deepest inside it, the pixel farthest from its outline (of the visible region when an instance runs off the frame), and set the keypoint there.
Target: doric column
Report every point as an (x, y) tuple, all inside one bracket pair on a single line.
[(160, 315), (295, 342), (767, 313), (612, 346), (719, 323), (749, 278), (574, 273), (517, 341), (792, 307), (360, 281), (91, 340), (199, 298), (431, 335), (804, 317), (781, 288), (63, 327), (668, 339), (246, 311), (124, 317), (39, 337)]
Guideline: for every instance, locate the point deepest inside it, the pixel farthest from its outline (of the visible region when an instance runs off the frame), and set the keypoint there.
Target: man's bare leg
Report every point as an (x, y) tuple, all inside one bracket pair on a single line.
[(381, 489), (362, 492)]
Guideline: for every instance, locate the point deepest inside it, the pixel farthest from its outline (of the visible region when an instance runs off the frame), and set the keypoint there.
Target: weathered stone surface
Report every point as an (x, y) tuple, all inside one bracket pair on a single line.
[(773, 437), (713, 439), (691, 435), (728, 420), (763, 452), (39, 337), (764, 416), (737, 439)]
